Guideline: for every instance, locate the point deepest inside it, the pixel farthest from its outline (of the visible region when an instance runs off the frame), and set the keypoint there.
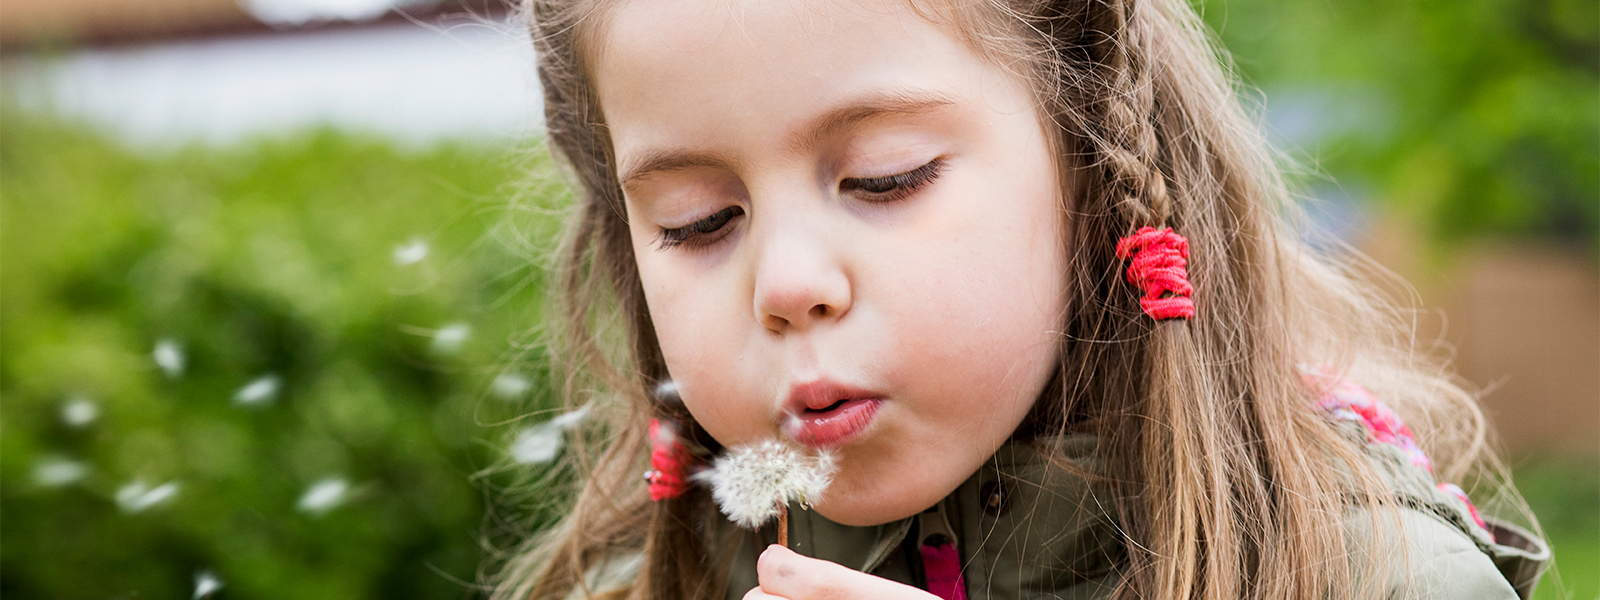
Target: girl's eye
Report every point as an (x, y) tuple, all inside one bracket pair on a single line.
[(701, 233), (893, 187)]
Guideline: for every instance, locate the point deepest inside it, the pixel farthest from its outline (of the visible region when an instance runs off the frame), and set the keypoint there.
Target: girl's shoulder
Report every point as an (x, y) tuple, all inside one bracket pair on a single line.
[(1427, 555), (1444, 547)]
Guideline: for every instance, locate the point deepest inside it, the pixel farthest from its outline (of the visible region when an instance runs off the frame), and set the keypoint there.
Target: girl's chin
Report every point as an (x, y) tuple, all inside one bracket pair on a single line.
[(869, 507)]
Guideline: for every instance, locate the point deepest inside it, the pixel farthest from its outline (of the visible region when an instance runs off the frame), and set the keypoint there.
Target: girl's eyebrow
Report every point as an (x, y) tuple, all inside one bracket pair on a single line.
[(657, 160)]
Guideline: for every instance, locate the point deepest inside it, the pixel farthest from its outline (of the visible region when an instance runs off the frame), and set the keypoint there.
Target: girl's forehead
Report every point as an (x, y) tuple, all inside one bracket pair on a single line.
[(752, 24), (671, 70), (706, 38)]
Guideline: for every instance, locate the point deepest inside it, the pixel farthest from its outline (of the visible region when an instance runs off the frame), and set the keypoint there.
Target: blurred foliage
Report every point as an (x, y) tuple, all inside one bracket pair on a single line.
[(1465, 118), (1564, 491), (286, 261)]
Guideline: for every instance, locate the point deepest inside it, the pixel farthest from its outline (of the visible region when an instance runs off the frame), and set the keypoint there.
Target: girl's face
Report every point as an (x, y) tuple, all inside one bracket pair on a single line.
[(849, 230)]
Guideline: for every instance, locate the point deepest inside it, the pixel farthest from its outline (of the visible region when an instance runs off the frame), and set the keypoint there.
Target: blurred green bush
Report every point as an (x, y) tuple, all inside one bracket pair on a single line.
[(1463, 118), (329, 311)]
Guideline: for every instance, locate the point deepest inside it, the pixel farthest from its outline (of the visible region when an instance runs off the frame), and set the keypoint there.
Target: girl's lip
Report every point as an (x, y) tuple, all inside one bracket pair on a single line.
[(821, 394), (834, 427), (824, 414)]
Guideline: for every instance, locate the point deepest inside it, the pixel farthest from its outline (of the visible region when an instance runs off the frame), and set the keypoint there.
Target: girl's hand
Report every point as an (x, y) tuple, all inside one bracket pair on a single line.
[(785, 575)]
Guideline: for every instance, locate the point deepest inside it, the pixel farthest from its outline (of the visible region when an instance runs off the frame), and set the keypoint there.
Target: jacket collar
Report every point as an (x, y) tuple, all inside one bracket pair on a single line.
[(1033, 518)]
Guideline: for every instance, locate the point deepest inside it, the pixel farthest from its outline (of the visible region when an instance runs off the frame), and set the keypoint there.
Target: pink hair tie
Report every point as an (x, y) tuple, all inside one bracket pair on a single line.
[(668, 461), (1160, 258)]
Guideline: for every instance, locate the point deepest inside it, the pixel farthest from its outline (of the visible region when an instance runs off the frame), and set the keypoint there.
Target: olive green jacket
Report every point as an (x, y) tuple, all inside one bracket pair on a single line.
[(1025, 530)]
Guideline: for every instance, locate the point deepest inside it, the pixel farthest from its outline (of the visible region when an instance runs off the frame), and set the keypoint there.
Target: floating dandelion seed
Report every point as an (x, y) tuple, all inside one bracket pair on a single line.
[(411, 253), (169, 356), (567, 419), (448, 339), (206, 584), (324, 496), (79, 412), (541, 443), (260, 392), (54, 471), (752, 484), (510, 386), (138, 496), (538, 444)]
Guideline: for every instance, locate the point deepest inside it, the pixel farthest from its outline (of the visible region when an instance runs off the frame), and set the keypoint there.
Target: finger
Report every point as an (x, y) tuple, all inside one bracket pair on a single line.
[(784, 573), (755, 593)]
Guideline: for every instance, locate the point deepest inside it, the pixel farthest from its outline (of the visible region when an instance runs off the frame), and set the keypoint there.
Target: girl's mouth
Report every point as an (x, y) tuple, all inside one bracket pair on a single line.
[(837, 425), (827, 415), (832, 426)]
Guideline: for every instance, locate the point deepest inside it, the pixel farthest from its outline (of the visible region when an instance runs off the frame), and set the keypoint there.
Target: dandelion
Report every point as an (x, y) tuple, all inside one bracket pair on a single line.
[(752, 484), (510, 386), (79, 412), (324, 495), (448, 339), (54, 471), (206, 584), (411, 252), (541, 443), (260, 392), (138, 496), (169, 356)]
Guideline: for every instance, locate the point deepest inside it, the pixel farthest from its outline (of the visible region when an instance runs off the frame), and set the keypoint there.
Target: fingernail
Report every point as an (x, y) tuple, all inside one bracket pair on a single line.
[(764, 553)]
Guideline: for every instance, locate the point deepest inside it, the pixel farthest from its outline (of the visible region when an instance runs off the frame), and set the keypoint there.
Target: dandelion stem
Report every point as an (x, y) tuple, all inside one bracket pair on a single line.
[(783, 525)]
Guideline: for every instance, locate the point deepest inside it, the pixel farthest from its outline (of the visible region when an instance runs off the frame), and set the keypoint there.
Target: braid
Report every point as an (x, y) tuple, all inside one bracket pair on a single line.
[(1127, 141)]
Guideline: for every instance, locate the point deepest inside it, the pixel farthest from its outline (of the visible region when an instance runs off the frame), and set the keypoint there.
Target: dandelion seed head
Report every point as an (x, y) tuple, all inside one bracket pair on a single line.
[(138, 496), (411, 252), (54, 471), (324, 495), (79, 412), (510, 386), (169, 356), (260, 392), (206, 583), (749, 483), (448, 339)]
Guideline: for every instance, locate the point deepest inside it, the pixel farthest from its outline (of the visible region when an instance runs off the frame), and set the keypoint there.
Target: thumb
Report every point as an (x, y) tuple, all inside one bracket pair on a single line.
[(784, 573)]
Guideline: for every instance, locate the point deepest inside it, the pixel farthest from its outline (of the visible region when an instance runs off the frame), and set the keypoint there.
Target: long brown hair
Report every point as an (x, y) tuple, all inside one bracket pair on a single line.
[(1220, 467)]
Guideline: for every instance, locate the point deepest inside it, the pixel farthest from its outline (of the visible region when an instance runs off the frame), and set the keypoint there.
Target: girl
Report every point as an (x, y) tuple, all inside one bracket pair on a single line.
[(1022, 266)]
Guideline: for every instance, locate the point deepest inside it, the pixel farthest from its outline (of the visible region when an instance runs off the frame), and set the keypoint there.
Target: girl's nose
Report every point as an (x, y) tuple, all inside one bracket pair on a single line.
[(799, 283)]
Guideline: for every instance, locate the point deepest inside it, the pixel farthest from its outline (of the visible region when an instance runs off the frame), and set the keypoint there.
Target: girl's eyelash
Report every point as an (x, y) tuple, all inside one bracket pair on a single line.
[(876, 189), (700, 233), (893, 187)]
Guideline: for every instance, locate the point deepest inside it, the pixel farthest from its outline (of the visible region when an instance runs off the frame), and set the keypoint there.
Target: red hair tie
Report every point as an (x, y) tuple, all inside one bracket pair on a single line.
[(668, 460), (1160, 258)]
